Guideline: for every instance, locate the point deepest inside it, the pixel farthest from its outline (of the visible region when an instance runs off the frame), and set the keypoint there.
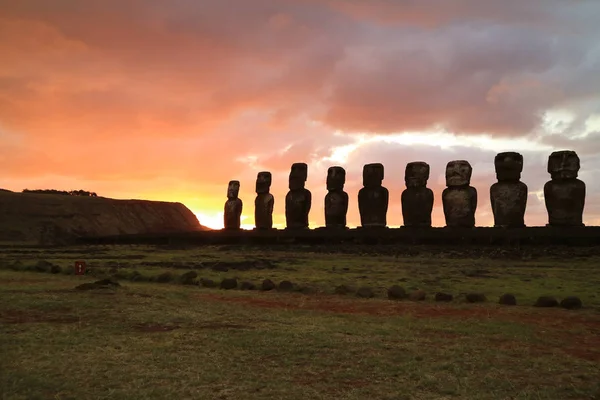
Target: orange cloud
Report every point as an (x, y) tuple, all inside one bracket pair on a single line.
[(172, 100)]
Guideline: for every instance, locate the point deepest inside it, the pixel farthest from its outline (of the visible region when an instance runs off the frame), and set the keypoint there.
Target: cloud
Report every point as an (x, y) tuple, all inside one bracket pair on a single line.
[(173, 99)]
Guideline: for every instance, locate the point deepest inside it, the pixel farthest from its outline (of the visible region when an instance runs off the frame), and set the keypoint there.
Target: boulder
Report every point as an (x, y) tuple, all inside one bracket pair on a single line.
[(396, 292), (546, 301), (508, 299), (444, 297), (417, 295), (571, 303), (267, 285), (229, 283), (475, 298), (365, 292)]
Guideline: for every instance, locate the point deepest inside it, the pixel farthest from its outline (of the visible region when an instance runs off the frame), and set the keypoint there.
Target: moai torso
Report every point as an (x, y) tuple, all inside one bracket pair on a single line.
[(564, 194), (336, 200), (508, 196), (373, 198), (264, 202), (459, 198), (299, 199), (233, 206), (417, 198)]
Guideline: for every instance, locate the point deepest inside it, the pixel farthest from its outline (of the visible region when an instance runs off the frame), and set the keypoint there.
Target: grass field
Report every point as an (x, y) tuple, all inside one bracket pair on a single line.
[(150, 340)]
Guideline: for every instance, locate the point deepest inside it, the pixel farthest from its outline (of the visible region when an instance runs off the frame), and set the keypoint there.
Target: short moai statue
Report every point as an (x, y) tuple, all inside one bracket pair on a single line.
[(373, 198), (233, 207), (564, 194), (264, 202), (298, 200), (459, 199), (336, 200), (417, 198), (508, 196)]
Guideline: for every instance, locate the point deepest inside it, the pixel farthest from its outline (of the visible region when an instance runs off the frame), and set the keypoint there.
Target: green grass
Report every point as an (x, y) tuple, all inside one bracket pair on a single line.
[(526, 278), (147, 340)]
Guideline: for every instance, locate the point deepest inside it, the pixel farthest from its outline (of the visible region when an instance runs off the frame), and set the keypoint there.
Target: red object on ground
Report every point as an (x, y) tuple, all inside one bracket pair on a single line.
[(79, 267)]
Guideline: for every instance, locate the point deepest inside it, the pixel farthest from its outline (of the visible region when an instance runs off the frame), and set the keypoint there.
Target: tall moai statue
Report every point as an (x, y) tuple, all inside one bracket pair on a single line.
[(299, 199), (564, 194), (264, 202), (508, 196), (233, 206), (336, 200), (459, 198), (417, 198), (373, 198)]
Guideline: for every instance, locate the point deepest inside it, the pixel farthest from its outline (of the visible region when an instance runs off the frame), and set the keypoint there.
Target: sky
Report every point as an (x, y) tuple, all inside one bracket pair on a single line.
[(169, 100)]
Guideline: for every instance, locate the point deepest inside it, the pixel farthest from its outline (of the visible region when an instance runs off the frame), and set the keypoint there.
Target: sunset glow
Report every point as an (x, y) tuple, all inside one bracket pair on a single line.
[(171, 100)]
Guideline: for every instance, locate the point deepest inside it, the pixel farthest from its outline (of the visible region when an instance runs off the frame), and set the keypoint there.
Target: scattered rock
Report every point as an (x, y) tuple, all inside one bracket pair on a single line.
[(571, 303), (247, 286), (417, 295), (546, 301), (343, 290), (365, 292), (101, 284), (229, 283), (396, 293), (136, 276), (447, 297), (55, 269), (16, 266), (208, 283), (475, 297), (43, 266), (220, 268), (267, 285), (165, 277), (508, 299), (285, 286), (189, 278)]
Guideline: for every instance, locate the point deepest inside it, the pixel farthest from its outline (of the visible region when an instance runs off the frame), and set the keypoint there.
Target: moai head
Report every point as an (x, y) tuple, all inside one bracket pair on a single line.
[(458, 173), (509, 166), (372, 175), (416, 174), (233, 189), (263, 182), (336, 178), (298, 176), (563, 164)]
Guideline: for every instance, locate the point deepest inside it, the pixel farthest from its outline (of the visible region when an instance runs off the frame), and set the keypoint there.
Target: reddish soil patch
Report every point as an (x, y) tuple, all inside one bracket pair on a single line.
[(553, 325), (150, 328), (33, 316), (224, 326)]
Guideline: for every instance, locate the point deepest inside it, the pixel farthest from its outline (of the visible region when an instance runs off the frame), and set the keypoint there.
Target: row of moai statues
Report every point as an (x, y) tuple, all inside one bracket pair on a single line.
[(564, 195)]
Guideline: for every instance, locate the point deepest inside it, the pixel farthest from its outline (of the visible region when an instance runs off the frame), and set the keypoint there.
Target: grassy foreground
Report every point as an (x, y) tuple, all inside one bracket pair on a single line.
[(152, 341)]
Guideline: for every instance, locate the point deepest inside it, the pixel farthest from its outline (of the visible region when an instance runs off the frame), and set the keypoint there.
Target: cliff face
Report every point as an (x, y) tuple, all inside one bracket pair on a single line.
[(49, 219)]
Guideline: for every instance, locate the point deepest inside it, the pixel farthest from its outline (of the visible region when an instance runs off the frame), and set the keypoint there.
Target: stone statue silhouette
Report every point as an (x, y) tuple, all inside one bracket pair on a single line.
[(373, 198), (508, 196), (299, 199), (564, 194), (336, 200), (417, 198), (459, 199), (233, 207), (264, 202)]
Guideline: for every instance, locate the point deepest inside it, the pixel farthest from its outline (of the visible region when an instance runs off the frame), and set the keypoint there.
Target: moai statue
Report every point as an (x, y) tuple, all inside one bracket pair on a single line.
[(264, 202), (459, 198), (373, 198), (336, 200), (564, 194), (417, 198), (299, 199), (233, 206), (509, 195)]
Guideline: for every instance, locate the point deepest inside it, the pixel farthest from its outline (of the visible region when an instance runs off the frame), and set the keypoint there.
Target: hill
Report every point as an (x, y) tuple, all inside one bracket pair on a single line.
[(53, 218)]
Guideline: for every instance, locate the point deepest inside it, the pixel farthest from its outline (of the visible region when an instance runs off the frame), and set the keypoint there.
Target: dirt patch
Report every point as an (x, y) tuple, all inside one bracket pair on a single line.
[(224, 326), (31, 316), (150, 328)]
